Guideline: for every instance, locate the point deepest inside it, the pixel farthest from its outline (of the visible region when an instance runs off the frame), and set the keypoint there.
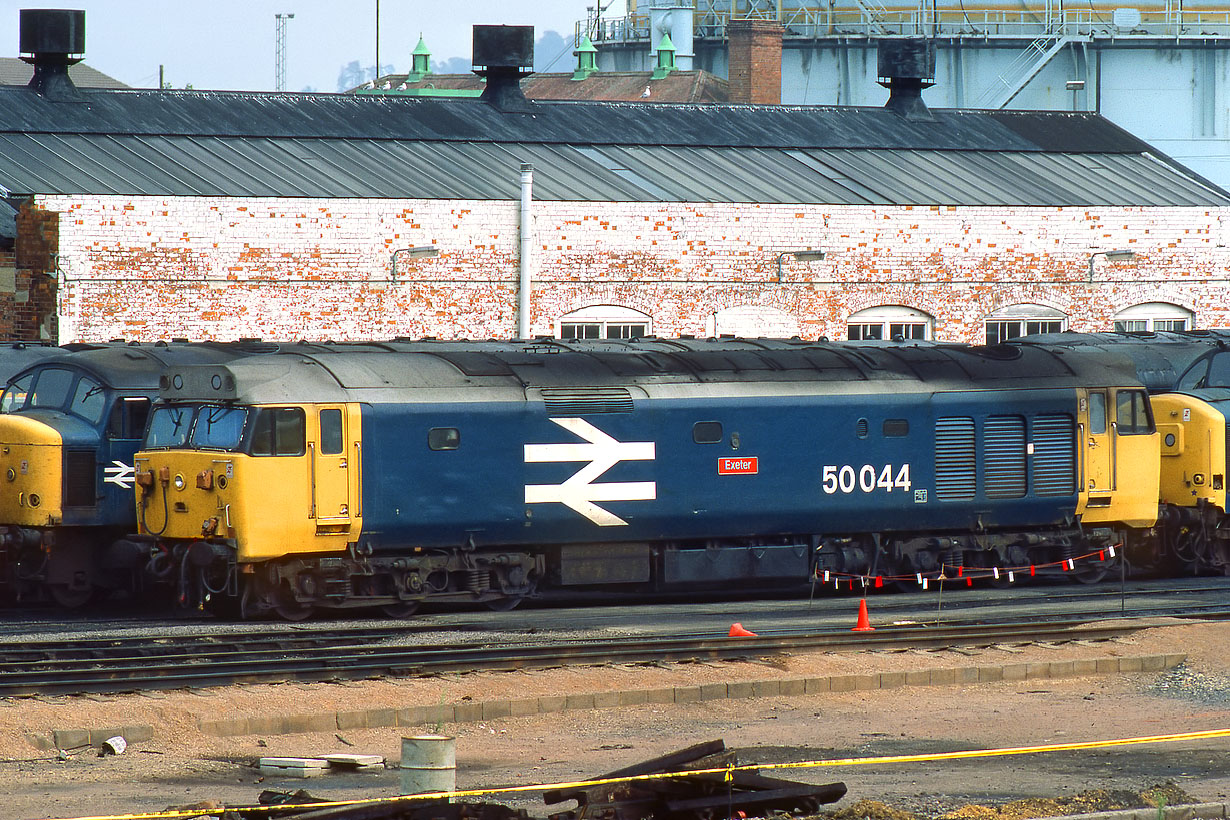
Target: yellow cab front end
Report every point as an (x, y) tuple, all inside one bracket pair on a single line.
[(225, 489), (32, 463), (1193, 430), (1118, 454)]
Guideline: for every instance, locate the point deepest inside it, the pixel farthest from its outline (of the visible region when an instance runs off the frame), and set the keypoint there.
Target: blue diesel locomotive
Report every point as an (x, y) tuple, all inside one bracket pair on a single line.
[(488, 471)]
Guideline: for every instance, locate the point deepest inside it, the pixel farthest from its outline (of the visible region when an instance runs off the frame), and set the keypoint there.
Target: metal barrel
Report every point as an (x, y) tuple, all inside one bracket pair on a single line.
[(428, 764)]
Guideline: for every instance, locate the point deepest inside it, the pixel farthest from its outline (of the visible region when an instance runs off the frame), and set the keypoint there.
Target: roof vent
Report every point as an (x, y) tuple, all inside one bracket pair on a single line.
[(52, 40), (503, 55), (905, 66)]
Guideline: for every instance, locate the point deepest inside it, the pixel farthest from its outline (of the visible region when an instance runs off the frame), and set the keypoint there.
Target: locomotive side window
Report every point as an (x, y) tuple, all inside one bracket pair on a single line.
[(218, 428), (89, 400), (331, 432), (16, 394), (128, 417), (1132, 413), (1097, 413), (444, 438), (278, 431), (895, 428), (707, 432)]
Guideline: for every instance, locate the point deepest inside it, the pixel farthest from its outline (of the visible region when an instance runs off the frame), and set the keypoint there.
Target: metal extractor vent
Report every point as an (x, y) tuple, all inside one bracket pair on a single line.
[(570, 401)]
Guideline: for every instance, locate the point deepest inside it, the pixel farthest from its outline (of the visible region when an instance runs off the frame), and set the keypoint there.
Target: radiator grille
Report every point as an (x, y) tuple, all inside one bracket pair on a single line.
[(80, 482), (1054, 468), (1003, 453), (955, 462)]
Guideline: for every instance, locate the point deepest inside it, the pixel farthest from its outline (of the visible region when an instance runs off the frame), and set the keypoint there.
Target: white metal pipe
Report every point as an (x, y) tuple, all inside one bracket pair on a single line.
[(527, 262)]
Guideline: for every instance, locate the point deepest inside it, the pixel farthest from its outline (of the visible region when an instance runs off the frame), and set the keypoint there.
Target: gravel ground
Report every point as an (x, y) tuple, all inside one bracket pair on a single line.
[(181, 766)]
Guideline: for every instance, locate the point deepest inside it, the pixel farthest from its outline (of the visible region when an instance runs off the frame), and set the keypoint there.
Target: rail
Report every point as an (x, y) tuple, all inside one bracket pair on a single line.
[(863, 19)]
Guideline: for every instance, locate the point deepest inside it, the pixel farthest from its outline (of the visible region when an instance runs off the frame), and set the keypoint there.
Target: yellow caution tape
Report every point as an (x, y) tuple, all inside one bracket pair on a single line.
[(725, 771)]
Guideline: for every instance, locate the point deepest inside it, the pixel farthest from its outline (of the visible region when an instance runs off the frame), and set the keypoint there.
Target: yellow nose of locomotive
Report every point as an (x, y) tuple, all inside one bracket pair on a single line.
[(31, 472)]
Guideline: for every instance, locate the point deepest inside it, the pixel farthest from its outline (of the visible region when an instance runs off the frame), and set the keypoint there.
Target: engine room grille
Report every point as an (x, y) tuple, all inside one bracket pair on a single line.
[(571, 401), (955, 461), (1003, 453), (1054, 468), (80, 483)]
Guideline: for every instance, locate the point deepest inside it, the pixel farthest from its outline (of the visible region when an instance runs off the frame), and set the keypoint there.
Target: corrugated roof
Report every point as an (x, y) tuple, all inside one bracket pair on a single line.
[(629, 86), (323, 145)]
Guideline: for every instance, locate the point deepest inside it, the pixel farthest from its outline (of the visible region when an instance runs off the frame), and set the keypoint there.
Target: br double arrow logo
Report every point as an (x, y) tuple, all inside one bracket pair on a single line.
[(579, 492)]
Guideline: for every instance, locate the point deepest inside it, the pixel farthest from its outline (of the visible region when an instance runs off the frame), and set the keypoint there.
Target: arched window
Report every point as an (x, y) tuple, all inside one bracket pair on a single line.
[(751, 321), (891, 323), (1023, 320), (604, 322), (1153, 316)]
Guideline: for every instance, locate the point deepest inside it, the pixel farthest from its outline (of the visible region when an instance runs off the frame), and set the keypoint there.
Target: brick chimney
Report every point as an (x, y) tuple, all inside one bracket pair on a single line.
[(754, 65)]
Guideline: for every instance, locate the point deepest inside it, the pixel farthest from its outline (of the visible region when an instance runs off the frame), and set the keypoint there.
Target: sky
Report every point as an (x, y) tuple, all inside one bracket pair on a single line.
[(230, 44)]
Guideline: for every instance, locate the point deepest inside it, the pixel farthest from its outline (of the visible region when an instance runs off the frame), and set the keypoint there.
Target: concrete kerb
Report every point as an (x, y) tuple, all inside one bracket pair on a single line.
[(1192, 811), (474, 711)]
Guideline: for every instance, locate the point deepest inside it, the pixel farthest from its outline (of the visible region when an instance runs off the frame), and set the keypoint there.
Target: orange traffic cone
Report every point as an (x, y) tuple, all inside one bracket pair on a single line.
[(864, 625), (737, 631)]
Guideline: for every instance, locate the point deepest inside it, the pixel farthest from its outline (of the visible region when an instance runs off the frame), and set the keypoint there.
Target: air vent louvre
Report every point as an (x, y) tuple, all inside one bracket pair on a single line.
[(574, 401), (80, 481)]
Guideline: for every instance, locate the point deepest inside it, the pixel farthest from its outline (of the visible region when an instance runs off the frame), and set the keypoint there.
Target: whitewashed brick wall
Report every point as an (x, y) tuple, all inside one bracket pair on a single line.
[(224, 268)]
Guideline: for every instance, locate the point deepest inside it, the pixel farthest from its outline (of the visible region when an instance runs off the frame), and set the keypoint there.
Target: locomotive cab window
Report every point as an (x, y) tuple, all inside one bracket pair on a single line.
[(443, 438), (331, 432), (128, 417), (1097, 413), (51, 388), (278, 431), (218, 428), (707, 432), (168, 427), (89, 400), (1132, 416), (1219, 371), (16, 393)]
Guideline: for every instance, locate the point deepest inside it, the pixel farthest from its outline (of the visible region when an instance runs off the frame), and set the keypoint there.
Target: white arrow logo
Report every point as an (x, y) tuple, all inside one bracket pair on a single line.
[(579, 492), (120, 474)]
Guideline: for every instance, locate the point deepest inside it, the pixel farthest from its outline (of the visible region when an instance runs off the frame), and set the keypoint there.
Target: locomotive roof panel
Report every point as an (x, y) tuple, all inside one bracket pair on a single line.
[(460, 371), (194, 143), (134, 367), (1160, 357)]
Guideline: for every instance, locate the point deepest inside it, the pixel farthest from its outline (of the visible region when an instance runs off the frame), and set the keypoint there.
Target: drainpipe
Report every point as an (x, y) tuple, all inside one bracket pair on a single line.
[(523, 291)]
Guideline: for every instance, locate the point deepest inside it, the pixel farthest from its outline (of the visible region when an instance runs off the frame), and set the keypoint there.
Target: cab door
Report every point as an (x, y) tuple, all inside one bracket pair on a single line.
[(1097, 444), (331, 480)]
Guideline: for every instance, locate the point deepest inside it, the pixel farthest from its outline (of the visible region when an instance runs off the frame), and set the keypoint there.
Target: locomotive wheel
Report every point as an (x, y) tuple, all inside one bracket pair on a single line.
[(288, 609), (507, 604), (70, 598), (402, 609)]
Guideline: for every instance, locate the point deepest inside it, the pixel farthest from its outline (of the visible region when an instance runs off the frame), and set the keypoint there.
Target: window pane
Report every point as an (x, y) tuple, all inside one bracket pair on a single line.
[(1097, 413), (51, 389), (15, 395), (1132, 413), (707, 432), (169, 427), (580, 330), (862, 332), (630, 331), (218, 427), (1131, 325), (905, 330), (1219, 371), (88, 400), (1170, 324), (443, 438), (331, 432)]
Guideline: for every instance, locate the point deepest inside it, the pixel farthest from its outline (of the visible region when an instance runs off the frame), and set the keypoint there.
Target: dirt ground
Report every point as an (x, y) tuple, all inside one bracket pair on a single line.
[(181, 766)]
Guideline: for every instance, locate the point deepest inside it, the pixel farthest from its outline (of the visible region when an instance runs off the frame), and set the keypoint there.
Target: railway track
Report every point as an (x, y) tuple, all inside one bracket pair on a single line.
[(120, 665)]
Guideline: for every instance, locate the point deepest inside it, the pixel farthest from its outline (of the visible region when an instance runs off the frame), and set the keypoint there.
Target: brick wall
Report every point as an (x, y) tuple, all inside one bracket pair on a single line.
[(27, 278), (754, 65), (222, 268)]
